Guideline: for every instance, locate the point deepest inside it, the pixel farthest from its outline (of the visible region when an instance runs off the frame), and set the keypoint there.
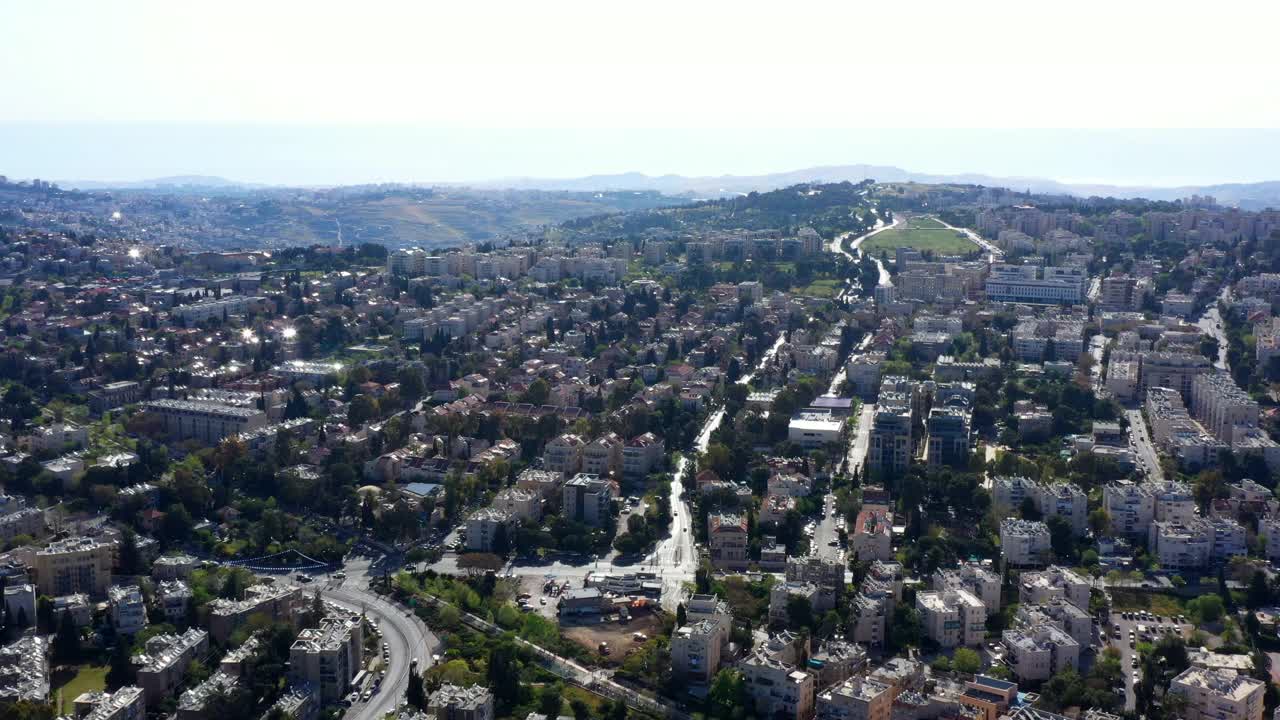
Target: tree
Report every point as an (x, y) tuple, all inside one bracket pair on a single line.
[(1061, 538), (727, 695), (130, 558), (1206, 609), (1100, 522), (580, 709), (682, 615), (66, 642), (121, 671), (504, 678), (799, 612), (1029, 510), (415, 694), (966, 660), (551, 700)]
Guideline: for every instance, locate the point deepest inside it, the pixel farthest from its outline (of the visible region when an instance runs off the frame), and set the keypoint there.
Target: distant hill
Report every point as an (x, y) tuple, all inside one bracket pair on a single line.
[(1250, 196), (173, 183)]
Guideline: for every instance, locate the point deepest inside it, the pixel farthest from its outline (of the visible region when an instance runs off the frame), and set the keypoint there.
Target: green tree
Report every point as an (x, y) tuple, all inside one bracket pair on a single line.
[(966, 660), (551, 700), (66, 642), (415, 694), (121, 671)]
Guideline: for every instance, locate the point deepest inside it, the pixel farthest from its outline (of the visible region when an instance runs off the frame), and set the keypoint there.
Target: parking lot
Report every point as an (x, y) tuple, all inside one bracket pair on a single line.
[(1127, 629)]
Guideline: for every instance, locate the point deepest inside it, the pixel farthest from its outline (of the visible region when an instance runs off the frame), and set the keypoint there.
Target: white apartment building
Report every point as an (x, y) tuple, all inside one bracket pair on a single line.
[(642, 454), (163, 665), (1053, 583), (1065, 616), (1219, 694), (974, 577), (695, 651), (1220, 405), (952, 618), (1196, 543), (1024, 543), (1036, 654), (329, 656), (128, 608), (728, 540), (1067, 501), (173, 597), (520, 503), (1023, 284), (207, 422), (588, 499), (486, 526), (451, 702), (778, 689), (564, 454), (858, 698), (814, 429), (603, 456)]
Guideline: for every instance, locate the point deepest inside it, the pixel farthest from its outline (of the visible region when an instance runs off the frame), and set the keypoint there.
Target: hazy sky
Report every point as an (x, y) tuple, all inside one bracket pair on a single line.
[(316, 92)]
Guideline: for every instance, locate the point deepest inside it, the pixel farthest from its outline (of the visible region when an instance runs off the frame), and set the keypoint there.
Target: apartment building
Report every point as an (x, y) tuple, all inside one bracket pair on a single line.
[(1269, 531), (160, 669), (114, 395), (826, 571), (564, 454), (488, 528), (204, 421), (952, 618), (74, 565), (728, 541), (1036, 654), (890, 448), (1220, 405), (1175, 370), (1038, 339), (1024, 543), (1009, 491), (642, 455), (56, 438), (1023, 284), (329, 656), (216, 309), (976, 578), (1196, 543), (781, 596), (589, 499), (872, 535), (1053, 583), (948, 435), (1067, 617), (277, 602), (862, 372), (1219, 694), (603, 456), (814, 429), (695, 651), (1124, 372), (20, 520), (858, 698), (194, 704), (24, 670), (174, 598), (127, 703), (174, 567), (128, 608), (777, 688), (521, 504), (1067, 501), (451, 702)]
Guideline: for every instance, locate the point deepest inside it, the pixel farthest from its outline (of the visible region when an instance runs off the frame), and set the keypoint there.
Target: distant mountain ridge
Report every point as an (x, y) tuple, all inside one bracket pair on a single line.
[(1251, 196)]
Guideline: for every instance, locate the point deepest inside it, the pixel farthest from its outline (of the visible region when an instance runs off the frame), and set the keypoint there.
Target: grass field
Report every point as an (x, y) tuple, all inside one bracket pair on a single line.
[(944, 242), (1152, 602), (925, 223), (88, 679), (822, 288)]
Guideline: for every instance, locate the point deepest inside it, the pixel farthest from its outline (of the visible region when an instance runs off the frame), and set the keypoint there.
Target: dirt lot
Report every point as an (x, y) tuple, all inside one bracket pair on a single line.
[(590, 632)]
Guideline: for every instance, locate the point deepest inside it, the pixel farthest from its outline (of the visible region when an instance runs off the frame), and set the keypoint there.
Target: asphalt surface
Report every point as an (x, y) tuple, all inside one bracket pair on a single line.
[(1141, 438), (1131, 674)]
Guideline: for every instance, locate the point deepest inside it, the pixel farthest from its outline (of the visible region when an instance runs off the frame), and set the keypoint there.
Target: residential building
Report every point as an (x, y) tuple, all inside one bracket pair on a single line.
[(890, 447), (207, 422), (952, 618), (20, 605), (1038, 653), (1174, 370), (974, 577), (564, 454), (74, 565), (1071, 619), (642, 455), (174, 598), (589, 499), (727, 539), (193, 704), (128, 608), (1054, 582), (1024, 543), (277, 602), (524, 505), (127, 703), (162, 666), (491, 530), (695, 651), (858, 698), (948, 435), (1219, 694), (603, 456), (814, 429), (329, 656), (777, 688), (24, 670), (1067, 501), (872, 535), (451, 702), (1023, 284)]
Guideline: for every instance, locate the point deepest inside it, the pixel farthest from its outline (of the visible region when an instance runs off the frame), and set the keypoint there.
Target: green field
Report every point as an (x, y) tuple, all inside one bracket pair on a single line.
[(944, 242), (88, 679), (925, 223), (822, 288)]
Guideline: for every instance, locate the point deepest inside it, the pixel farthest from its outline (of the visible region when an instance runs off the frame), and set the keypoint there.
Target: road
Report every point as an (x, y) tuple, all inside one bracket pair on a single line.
[(1141, 439), (1211, 324)]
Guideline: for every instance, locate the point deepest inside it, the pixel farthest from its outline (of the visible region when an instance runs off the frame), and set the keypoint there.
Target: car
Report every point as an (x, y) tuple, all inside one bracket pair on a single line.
[(542, 601), (368, 695)]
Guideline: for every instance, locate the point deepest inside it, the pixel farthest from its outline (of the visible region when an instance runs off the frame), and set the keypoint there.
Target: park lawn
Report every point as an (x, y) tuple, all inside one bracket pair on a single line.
[(1157, 603), (925, 223), (943, 242), (822, 288), (89, 678)]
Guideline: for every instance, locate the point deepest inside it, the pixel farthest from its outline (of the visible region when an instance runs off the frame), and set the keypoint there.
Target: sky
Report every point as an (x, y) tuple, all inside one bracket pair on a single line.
[(1132, 92)]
